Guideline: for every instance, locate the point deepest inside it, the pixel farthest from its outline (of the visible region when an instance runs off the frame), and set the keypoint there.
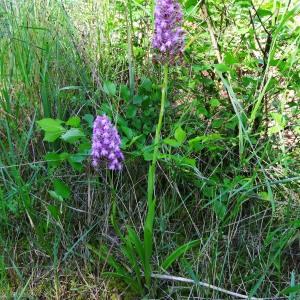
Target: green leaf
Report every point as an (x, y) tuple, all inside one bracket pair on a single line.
[(193, 143), (230, 59), (55, 196), (124, 92), (137, 99), (89, 119), (73, 121), (54, 211), (198, 68), (148, 156), (49, 124), (214, 102), (109, 88), (85, 148), (53, 159), (75, 164), (128, 131), (132, 141), (201, 110), (172, 142), (131, 111), (146, 84), (190, 3), (63, 156), (221, 68), (243, 3), (180, 135), (72, 135), (61, 189), (179, 252), (264, 12), (182, 160), (51, 136), (77, 158), (135, 240), (220, 209), (291, 289), (52, 127), (264, 196), (217, 123)]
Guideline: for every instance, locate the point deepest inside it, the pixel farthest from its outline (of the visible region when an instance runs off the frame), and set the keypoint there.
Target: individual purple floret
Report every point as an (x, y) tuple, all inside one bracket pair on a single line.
[(106, 144), (168, 36)]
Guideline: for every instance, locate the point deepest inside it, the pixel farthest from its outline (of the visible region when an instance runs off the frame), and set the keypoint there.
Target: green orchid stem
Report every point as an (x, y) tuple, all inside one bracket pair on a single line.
[(148, 227), (157, 137)]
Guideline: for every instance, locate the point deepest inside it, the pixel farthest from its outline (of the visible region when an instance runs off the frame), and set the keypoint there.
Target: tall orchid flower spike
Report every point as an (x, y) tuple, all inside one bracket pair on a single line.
[(168, 37)]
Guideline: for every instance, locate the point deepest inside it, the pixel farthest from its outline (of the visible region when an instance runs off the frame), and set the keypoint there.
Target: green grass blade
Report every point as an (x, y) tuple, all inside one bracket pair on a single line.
[(179, 252)]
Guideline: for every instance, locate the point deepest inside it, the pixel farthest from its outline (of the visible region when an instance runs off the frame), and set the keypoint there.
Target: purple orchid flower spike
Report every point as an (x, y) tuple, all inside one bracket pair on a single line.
[(106, 144), (168, 37)]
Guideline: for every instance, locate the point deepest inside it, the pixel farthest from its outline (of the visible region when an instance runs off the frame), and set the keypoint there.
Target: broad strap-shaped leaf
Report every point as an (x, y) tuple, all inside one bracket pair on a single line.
[(148, 240), (135, 240)]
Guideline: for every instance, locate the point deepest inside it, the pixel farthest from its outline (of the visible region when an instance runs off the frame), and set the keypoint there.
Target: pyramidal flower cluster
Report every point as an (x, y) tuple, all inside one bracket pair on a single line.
[(168, 35), (106, 144)]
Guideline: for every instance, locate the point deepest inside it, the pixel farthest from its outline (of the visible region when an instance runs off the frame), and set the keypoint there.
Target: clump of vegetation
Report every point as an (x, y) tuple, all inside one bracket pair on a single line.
[(206, 200)]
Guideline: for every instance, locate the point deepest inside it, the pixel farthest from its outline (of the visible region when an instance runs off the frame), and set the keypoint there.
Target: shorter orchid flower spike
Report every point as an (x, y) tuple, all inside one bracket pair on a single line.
[(106, 144)]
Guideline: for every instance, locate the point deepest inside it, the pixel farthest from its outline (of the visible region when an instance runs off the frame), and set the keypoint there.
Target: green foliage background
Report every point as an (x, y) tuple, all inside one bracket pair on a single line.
[(227, 186)]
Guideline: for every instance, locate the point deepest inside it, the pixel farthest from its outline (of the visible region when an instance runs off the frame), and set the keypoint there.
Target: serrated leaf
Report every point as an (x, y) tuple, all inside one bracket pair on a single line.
[(49, 124), (51, 136), (73, 121), (72, 135), (52, 127)]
